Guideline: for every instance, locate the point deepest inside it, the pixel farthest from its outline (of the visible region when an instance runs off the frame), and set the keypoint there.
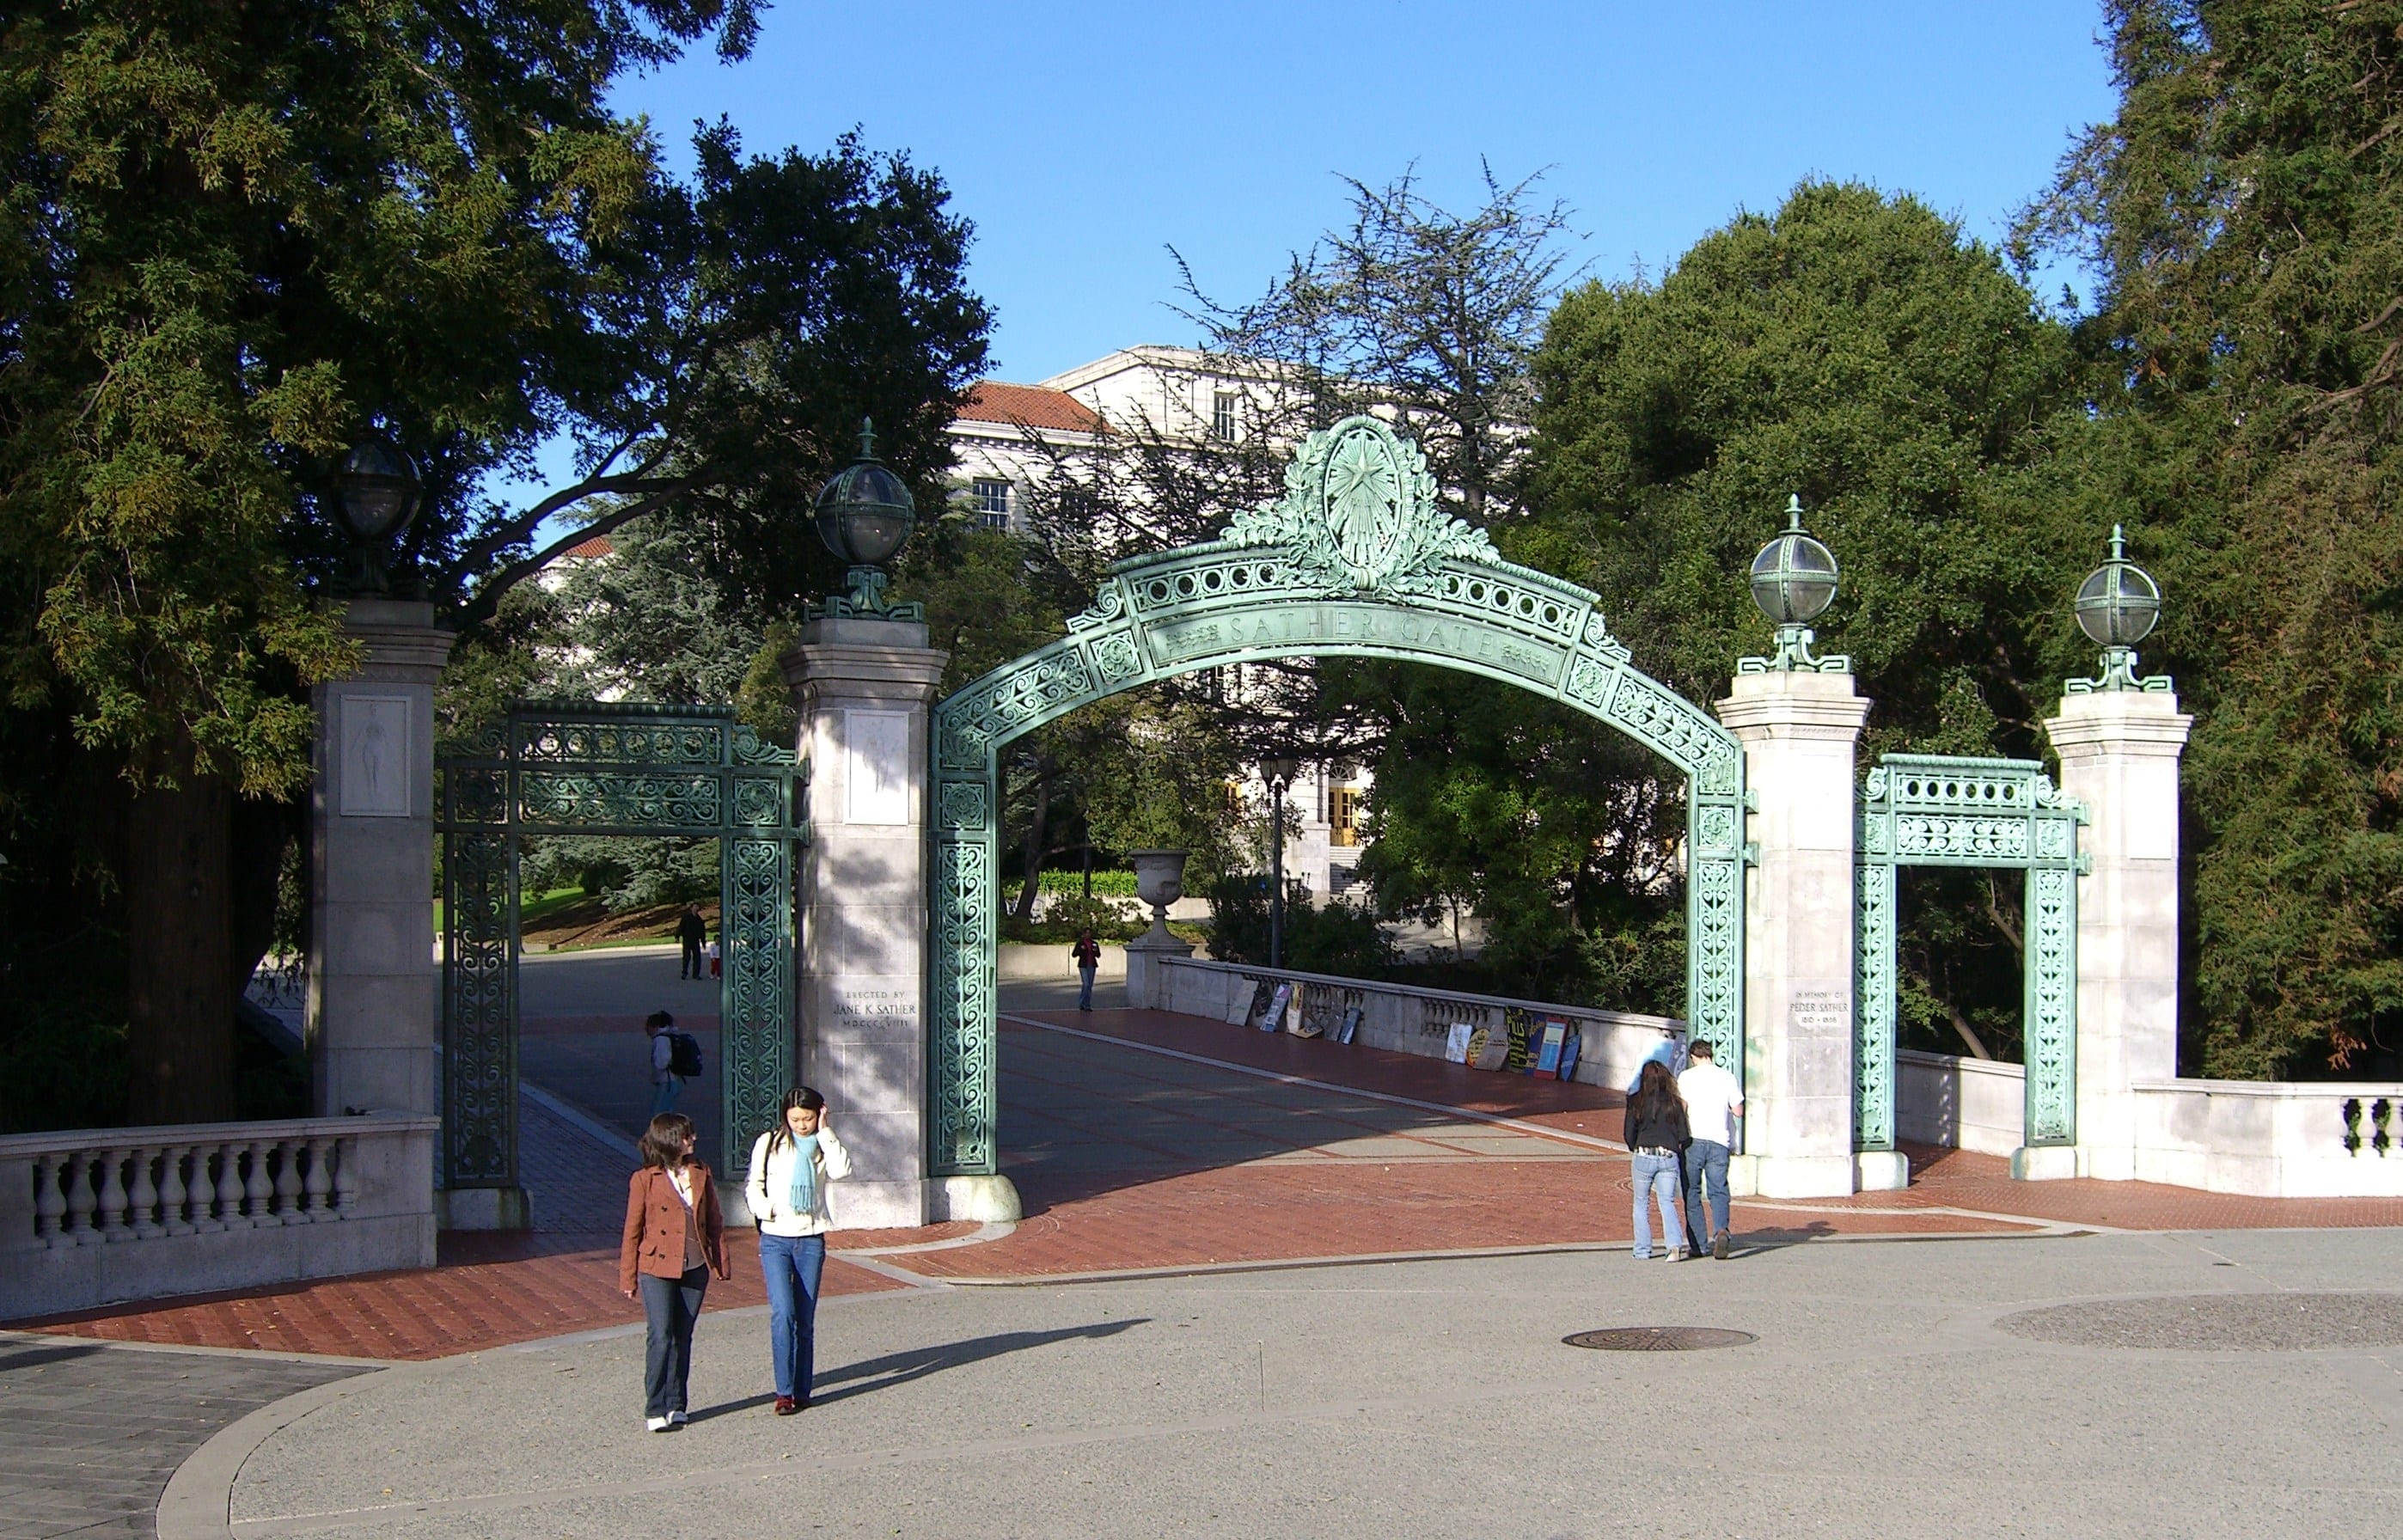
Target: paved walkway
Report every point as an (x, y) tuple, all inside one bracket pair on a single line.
[(96, 1429), (2245, 1386)]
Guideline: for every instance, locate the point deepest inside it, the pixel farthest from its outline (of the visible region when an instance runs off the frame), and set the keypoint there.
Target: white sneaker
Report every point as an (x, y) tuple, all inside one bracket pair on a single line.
[(1676, 1253), (657, 1425)]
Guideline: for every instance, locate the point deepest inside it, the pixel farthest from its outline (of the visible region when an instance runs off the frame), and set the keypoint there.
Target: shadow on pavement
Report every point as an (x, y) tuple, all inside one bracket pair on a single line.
[(899, 1368)]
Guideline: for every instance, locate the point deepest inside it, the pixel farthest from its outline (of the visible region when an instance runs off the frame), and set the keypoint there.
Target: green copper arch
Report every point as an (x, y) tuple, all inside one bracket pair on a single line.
[(1356, 559)]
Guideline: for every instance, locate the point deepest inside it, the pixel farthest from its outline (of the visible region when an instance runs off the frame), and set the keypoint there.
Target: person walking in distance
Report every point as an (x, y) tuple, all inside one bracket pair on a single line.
[(690, 932), (1713, 1100), (790, 1167), (1656, 1133), (1088, 955), (665, 1085), (675, 1238)]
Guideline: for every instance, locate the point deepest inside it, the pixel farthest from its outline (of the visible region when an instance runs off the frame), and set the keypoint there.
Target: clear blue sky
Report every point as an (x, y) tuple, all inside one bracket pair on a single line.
[(1083, 141)]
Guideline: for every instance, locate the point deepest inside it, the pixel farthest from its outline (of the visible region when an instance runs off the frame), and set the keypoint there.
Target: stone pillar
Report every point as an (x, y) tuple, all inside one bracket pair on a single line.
[(1799, 731), (374, 1022), (864, 688), (2119, 752)]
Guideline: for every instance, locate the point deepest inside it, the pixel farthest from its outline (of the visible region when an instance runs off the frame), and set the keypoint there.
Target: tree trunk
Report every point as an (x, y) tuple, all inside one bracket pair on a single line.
[(179, 954), (1035, 849)]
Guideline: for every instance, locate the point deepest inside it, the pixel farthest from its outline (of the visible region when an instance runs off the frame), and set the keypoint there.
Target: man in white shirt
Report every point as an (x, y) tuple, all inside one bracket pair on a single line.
[(1712, 1103)]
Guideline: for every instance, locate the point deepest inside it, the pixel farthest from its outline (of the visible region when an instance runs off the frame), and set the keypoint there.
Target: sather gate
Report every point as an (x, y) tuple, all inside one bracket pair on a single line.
[(1356, 560)]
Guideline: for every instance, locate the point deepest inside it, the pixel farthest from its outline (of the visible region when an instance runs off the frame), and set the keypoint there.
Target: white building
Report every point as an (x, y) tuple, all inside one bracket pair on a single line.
[(1010, 440)]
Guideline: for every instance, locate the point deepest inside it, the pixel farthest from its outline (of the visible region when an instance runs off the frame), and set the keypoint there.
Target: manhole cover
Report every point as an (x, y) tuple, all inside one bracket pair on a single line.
[(2220, 1322), (1660, 1339)]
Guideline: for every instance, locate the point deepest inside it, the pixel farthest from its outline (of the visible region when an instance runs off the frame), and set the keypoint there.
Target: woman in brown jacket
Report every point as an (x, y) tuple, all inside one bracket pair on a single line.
[(675, 1238)]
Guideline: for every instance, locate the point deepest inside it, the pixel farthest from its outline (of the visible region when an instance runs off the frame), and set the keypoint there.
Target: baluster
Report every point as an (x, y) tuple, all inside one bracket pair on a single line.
[(287, 1183), (346, 1181), (80, 1229), (172, 1193), (319, 1190), (258, 1193), (112, 1196), (50, 1200), (145, 1217), (230, 1187)]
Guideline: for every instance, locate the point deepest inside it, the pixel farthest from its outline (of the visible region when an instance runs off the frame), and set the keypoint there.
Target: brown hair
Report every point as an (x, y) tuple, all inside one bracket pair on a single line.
[(1701, 1049), (663, 1141), (1656, 1093)]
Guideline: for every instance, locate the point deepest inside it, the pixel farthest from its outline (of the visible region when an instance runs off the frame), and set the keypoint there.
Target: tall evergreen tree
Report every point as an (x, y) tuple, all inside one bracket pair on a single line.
[(2243, 213)]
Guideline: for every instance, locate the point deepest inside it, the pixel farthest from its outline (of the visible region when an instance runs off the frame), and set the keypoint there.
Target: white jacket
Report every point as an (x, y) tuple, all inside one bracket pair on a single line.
[(769, 1191)]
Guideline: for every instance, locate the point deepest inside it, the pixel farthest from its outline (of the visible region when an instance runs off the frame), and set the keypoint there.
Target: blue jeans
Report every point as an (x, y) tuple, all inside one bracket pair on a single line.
[(793, 1264), (670, 1307), (1656, 1176), (663, 1095), (1705, 1159), (1085, 995)]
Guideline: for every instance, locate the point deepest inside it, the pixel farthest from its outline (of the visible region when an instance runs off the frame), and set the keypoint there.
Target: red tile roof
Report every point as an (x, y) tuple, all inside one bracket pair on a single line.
[(599, 545), (1028, 405)]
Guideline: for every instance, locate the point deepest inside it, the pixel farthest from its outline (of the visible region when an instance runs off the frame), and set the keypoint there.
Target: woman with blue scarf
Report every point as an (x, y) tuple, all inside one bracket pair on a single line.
[(790, 1167)]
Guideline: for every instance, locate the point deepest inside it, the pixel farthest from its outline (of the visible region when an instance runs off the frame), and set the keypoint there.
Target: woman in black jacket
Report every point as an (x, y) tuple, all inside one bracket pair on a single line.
[(1656, 1132)]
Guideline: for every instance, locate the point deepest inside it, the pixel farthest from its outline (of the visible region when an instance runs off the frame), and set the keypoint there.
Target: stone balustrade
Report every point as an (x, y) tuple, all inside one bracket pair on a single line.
[(1404, 1018), (93, 1216)]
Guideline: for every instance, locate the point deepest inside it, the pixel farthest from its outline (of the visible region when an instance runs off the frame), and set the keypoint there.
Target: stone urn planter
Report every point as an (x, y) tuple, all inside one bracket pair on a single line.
[(1159, 882)]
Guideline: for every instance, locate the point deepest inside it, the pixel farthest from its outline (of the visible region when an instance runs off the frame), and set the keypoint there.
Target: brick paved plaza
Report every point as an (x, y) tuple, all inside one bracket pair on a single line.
[(1149, 1149)]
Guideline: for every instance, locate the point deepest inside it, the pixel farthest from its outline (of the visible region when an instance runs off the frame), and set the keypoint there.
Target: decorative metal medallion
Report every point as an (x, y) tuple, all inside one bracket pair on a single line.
[(1920, 810), (1660, 1338), (1356, 559)]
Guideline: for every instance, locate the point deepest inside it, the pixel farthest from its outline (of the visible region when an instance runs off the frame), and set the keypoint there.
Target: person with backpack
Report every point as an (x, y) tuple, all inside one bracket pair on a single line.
[(676, 1058), (790, 1167), (675, 1238), (1656, 1136), (1088, 955)]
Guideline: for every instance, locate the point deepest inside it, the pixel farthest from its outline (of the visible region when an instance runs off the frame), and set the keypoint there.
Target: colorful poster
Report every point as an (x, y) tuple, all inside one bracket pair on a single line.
[(1569, 1046), (1547, 1048), (1273, 1017), (1350, 1024), (1518, 1027)]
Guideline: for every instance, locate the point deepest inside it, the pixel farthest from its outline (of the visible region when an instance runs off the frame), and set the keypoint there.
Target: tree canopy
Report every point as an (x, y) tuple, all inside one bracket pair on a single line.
[(233, 238)]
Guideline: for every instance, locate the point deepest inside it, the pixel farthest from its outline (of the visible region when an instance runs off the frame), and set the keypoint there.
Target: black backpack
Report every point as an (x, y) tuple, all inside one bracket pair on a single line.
[(684, 1056)]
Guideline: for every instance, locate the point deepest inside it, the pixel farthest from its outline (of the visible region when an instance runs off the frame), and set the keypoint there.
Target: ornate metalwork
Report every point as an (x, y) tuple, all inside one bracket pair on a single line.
[(589, 768), (1356, 559), (1936, 810)]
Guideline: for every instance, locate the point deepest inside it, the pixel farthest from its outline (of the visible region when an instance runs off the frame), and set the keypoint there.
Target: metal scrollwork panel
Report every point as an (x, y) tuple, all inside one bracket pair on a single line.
[(756, 1050), (584, 798), (480, 1112), (963, 1134), (2051, 1030), (1940, 811), (1873, 1041)]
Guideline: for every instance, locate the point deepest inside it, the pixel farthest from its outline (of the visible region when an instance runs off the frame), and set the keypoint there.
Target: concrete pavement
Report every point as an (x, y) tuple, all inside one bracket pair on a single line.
[(1890, 1392)]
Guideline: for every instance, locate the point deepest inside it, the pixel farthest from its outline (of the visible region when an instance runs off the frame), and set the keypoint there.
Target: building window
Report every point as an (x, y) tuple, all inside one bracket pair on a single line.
[(1222, 416), (992, 500), (1343, 817)]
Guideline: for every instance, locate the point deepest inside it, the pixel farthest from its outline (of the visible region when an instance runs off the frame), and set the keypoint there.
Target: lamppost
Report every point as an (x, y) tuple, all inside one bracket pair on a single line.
[(2117, 606), (377, 490), (1793, 582), (1278, 771), (863, 514)]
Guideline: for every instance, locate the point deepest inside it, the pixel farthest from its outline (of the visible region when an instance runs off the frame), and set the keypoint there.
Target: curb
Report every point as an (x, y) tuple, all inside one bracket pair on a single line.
[(198, 1504)]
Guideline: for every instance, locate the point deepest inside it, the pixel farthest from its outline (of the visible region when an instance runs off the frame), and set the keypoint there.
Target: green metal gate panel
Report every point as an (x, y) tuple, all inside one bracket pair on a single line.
[(592, 768), (1923, 810), (1356, 559)]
